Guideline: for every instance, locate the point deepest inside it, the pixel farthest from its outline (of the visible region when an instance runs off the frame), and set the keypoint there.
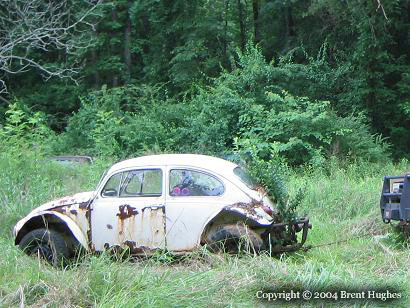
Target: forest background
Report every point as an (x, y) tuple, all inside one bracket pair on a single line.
[(308, 80)]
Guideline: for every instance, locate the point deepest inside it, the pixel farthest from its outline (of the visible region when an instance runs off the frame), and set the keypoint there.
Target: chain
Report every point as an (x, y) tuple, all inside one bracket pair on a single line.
[(337, 242)]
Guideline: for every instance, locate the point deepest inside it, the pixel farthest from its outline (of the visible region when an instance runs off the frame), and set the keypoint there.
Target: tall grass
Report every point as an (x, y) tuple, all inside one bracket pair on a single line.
[(30, 179), (341, 200)]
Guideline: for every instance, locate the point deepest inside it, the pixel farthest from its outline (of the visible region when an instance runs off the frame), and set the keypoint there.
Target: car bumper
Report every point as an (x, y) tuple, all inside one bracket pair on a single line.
[(288, 233)]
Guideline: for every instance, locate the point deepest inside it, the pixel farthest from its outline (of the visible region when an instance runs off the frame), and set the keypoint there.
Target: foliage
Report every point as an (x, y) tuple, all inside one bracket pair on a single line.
[(246, 103), (348, 59), (23, 131), (56, 99), (270, 170), (126, 121), (310, 131)]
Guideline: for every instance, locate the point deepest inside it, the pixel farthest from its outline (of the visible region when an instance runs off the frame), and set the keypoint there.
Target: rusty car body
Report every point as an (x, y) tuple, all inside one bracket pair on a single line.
[(173, 202)]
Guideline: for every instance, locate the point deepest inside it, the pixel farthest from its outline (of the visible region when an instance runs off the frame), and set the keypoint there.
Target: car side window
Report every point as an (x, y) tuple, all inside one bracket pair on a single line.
[(183, 182), (141, 183), (112, 186)]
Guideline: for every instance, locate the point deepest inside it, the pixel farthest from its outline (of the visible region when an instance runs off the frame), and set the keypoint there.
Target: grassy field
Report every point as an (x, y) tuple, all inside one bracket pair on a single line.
[(342, 204)]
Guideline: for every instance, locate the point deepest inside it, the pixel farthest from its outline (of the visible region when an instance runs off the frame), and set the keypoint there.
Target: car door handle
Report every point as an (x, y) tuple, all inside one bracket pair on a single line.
[(154, 207)]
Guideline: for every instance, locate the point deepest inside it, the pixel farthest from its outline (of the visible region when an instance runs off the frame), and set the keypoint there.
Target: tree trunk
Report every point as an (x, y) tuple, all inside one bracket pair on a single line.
[(290, 27), (255, 8), (115, 20), (127, 51), (97, 80), (94, 59), (241, 25), (226, 27)]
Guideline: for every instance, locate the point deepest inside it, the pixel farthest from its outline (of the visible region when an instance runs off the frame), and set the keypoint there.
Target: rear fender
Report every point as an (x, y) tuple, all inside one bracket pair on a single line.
[(230, 215)]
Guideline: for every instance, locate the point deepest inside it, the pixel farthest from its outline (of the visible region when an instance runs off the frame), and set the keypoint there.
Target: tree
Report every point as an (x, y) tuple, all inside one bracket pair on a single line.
[(29, 28)]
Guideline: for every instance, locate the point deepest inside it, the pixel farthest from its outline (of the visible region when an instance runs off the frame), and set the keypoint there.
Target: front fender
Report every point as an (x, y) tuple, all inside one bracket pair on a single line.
[(71, 225)]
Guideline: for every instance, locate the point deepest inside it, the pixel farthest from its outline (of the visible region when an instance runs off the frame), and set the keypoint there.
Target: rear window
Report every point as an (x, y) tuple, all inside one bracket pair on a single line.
[(245, 178), (184, 182)]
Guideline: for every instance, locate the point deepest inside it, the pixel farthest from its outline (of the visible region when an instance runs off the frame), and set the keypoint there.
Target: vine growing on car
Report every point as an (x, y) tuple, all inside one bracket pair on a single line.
[(264, 164)]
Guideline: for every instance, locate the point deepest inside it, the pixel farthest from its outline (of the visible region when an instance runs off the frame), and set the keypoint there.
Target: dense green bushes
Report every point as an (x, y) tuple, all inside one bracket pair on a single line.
[(245, 105), (125, 121)]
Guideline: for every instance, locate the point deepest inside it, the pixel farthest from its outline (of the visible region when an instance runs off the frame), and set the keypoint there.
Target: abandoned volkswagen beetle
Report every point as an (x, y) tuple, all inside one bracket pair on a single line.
[(174, 202)]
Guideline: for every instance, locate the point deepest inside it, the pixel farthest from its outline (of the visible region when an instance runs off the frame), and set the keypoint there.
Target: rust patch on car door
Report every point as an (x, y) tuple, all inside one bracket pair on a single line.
[(126, 211), (144, 228)]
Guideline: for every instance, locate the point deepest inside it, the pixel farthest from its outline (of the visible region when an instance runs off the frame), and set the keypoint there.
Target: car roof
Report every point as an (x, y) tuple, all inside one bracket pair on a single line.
[(214, 164)]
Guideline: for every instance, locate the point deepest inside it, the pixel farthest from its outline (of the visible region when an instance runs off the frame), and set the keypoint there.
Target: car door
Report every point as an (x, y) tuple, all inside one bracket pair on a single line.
[(129, 211), (193, 197)]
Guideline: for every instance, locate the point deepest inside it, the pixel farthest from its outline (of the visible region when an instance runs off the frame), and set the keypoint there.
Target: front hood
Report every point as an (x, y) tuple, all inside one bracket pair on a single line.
[(78, 198)]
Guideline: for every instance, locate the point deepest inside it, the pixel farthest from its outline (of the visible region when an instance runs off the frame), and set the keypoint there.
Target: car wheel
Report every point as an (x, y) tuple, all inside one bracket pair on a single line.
[(48, 244), (234, 238)]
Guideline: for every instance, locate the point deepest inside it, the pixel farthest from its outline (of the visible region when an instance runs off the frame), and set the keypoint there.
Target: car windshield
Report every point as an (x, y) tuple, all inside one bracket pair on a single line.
[(245, 178)]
